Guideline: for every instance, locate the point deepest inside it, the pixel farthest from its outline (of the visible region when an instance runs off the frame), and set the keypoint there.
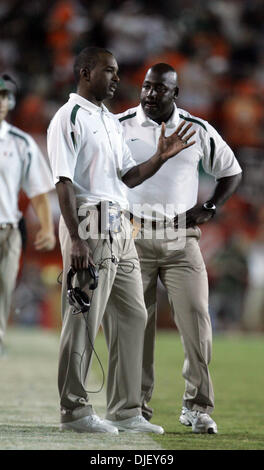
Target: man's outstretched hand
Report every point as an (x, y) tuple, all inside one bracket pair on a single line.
[(176, 142), (167, 147)]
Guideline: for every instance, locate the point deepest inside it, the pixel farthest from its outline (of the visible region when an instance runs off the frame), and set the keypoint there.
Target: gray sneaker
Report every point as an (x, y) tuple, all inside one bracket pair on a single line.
[(136, 424), (201, 422), (91, 423)]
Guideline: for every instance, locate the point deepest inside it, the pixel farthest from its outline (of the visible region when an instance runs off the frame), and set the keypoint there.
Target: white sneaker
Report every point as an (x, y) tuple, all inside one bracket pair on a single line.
[(136, 424), (91, 423), (201, 422)]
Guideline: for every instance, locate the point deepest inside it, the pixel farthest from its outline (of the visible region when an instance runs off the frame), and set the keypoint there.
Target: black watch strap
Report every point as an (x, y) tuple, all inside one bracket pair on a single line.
[(210, 207)]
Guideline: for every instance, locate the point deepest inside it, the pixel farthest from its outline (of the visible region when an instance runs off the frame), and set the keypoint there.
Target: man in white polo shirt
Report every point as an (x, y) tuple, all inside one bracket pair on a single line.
[(158, 205), (91, 164), (22, 166)]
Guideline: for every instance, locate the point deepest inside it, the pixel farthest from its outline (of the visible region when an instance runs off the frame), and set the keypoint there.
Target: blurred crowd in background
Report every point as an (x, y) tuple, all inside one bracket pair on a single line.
[(217, 48)]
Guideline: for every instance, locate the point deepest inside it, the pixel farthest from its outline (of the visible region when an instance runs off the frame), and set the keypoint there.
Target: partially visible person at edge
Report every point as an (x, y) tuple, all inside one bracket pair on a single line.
[(22, 166), (91, 165), (158, 205)]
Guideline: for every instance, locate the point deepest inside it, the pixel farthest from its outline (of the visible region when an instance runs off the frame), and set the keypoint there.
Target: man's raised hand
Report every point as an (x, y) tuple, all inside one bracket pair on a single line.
[(176, 142)]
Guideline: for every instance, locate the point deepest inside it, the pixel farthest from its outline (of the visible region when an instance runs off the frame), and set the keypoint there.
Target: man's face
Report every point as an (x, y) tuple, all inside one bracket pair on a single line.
[(4, 104), (104, 78), (158, 94)]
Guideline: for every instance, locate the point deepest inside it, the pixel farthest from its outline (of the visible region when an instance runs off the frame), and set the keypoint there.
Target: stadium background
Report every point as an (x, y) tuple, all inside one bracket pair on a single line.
[(217, 47)]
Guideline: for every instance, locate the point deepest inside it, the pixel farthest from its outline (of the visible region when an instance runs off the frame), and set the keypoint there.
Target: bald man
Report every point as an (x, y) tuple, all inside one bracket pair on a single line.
[(167, 217)]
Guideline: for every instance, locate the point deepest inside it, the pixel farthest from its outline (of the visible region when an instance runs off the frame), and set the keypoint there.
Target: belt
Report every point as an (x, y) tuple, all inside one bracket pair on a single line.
[(110, 216), (6, 225), (154, 224)]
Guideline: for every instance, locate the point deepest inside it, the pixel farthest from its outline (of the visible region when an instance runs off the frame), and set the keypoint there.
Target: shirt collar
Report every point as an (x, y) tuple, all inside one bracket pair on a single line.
[(145, 121), (4, 128), (86, 104)]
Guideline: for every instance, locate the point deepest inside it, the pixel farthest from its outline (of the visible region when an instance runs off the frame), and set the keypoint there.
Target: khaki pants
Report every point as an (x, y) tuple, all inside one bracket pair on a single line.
[(125, 331), (182, 271), (10, 249)]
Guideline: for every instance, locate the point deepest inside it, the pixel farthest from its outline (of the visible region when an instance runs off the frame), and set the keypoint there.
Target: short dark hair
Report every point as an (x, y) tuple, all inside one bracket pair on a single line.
[(162, 68), (88, 57)]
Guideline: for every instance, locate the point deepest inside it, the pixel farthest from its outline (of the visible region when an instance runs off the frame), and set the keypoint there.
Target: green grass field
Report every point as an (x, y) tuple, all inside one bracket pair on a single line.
[(238, 376), (29, 409)]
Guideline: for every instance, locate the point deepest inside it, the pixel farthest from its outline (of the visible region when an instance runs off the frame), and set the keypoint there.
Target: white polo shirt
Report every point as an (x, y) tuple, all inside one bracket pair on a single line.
[(86, 145), (22, 166), (174, 188)]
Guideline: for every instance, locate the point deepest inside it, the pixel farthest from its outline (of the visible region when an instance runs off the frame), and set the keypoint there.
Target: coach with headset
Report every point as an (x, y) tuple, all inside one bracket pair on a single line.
[(91, 165), (22, 166)]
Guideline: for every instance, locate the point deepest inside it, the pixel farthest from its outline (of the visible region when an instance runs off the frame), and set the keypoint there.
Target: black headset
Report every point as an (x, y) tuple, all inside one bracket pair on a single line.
[(78, 298)]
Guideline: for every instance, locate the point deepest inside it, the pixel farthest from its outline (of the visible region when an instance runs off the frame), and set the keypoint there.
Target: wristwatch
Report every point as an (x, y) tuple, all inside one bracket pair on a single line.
[(210, 207)]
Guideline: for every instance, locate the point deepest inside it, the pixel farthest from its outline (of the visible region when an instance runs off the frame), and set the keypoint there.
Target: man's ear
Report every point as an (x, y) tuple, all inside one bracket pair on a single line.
[(176, 92), (85, 73)]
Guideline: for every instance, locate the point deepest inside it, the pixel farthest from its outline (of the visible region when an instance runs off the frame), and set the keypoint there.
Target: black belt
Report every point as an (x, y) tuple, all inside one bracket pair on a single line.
[(155, 224)]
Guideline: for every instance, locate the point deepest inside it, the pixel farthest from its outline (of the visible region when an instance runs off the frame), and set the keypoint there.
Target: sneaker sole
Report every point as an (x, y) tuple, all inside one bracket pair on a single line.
[(211, 431), (139, 431), (206, 431), (133, 431), (67, 427), (186, 422)]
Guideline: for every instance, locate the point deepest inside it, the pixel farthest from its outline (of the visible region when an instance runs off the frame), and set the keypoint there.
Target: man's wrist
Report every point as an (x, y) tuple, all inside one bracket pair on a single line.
[(210, 206), (158, 158)]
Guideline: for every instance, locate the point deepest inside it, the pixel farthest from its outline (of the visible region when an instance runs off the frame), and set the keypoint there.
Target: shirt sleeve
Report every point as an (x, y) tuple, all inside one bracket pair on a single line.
[(218, 159), (37, 177), (62, 139), (128, 160)]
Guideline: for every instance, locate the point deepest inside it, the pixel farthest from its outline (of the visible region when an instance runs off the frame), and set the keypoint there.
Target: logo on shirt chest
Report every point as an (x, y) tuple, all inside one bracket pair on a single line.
[(6, 154)]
